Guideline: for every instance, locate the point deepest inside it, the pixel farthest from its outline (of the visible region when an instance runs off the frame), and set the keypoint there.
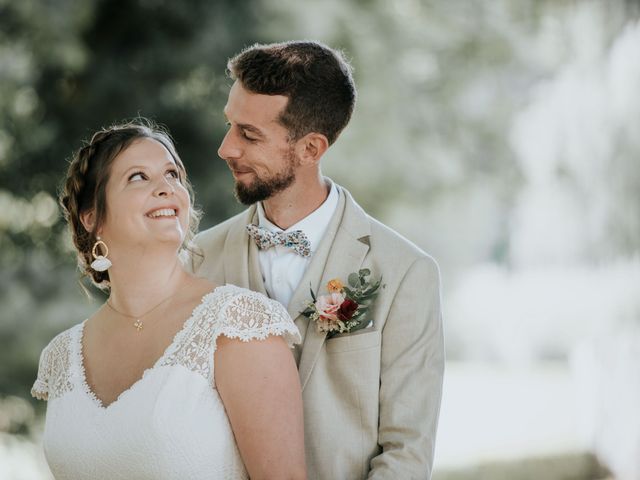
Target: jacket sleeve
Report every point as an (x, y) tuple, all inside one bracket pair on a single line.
[(411, 375)]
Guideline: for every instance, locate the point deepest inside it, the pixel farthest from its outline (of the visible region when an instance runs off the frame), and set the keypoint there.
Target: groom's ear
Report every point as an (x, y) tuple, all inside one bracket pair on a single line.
[(311, 147)]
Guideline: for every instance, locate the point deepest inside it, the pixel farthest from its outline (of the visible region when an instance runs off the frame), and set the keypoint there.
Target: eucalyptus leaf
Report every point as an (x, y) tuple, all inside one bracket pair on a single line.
[(368, 293), (360, 326), (372, 289), (353, 279)]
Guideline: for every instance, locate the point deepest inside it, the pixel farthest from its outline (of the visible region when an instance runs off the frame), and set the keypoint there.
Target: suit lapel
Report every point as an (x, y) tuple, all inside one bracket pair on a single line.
[(256, 282), (342, 252), (237, 269)]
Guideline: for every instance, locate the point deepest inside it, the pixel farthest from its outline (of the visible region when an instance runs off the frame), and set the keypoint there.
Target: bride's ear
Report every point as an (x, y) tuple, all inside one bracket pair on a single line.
[(88, 220)]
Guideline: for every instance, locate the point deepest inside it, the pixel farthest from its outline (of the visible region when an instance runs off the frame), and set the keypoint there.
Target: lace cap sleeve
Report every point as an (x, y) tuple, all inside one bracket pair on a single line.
[(40, 389), (53, 369), (249, 315)]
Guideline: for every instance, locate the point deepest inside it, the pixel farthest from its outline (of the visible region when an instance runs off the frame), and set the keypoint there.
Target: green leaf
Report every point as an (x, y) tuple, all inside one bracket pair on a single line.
[(312, 294), (360, 326), (365, 272), (307, 312), (372, 289), (353, 279), (370, 292)]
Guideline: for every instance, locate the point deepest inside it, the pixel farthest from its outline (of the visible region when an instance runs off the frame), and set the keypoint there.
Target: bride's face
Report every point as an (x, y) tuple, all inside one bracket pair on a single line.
[(146, 201)]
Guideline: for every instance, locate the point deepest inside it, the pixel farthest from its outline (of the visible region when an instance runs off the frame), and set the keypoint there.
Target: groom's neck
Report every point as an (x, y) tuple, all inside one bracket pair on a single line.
[(288, 207)]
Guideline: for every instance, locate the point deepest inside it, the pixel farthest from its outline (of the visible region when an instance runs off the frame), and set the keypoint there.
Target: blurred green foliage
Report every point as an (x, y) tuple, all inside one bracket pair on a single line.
[(71, 66)]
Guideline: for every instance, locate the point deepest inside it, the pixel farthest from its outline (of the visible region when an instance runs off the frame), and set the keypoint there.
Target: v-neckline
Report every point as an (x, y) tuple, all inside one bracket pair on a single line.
[(80, 361)]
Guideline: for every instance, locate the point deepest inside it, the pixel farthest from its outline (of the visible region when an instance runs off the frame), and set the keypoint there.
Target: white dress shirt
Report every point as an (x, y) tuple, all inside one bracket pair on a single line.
[(282, 268)]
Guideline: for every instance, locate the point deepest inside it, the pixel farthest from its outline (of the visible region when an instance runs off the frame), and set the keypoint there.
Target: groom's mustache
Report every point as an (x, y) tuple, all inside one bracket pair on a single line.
[(236, 168)]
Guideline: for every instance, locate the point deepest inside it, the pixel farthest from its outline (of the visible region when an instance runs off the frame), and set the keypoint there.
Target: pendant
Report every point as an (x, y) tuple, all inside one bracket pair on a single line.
[(138, 324)]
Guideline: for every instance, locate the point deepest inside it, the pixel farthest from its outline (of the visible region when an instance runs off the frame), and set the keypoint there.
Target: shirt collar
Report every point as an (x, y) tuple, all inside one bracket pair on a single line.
[(313, 225)]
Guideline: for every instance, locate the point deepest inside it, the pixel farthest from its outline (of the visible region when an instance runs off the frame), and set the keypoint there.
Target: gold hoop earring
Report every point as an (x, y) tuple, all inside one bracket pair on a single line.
[(101, 262)]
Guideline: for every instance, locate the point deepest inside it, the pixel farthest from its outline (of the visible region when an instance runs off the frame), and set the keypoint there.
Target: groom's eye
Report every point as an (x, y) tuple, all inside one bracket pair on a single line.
[(247, 137)]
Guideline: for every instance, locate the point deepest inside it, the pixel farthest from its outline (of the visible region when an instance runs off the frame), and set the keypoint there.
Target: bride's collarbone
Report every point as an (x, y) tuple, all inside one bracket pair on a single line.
[(115, 352), (109, 330)]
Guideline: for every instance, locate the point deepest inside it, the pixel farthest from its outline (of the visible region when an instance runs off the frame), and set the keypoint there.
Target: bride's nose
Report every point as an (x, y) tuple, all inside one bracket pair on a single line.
[(164, 188)]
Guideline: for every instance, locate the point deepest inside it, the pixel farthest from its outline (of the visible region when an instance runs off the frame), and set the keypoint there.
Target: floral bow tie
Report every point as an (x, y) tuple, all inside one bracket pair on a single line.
[(296, 240)]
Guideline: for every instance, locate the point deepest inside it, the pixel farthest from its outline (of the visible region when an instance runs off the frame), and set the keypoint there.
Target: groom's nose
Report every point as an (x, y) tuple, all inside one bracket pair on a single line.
[(229, 149)]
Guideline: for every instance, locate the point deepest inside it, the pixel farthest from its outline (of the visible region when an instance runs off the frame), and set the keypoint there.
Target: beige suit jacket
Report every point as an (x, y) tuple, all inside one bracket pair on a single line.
[(371, 398)]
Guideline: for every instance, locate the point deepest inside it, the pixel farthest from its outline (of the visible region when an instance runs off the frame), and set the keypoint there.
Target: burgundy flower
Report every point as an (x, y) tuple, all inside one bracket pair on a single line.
[(347, 309)]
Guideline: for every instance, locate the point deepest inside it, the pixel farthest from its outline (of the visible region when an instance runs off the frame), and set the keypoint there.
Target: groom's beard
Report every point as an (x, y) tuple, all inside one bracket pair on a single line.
[(262, 188)]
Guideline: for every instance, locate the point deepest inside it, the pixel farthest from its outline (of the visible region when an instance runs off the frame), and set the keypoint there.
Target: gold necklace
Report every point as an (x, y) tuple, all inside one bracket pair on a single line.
[(138, 324)]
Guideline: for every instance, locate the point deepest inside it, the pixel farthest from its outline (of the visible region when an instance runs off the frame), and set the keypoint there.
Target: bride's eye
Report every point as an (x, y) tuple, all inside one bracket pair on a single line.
[(137, 176), (173, 173)]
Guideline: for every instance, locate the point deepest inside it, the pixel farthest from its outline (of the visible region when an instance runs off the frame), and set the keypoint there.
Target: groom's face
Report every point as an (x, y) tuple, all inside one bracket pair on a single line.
[(256, 147)]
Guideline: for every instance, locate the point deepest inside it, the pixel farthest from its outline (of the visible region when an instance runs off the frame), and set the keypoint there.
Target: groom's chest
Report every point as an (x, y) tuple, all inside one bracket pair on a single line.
[(281, 271)]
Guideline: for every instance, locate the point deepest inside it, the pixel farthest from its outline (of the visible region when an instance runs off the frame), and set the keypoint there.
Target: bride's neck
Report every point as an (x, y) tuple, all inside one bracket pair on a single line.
[(142, 281)]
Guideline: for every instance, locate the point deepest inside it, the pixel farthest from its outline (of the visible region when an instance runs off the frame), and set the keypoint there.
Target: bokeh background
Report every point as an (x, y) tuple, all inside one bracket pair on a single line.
[(500, 136)]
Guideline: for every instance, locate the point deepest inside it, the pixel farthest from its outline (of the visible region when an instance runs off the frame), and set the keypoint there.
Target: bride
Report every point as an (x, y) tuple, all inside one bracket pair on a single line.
[(172, 377)]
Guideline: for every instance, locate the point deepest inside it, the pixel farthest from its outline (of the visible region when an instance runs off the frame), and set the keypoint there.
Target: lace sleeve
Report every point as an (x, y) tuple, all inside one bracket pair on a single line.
[(40, 389), (250, 315), (53, 369)]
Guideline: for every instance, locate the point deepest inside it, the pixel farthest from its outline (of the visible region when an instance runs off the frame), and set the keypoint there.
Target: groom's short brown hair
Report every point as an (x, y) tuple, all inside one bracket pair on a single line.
[(316, 79)]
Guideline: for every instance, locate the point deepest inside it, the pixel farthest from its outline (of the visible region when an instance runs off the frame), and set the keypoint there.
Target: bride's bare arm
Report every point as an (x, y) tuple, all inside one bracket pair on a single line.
[(259, 386)]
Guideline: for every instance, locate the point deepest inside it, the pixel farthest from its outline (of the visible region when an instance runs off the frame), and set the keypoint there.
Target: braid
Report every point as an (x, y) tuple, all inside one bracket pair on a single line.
[(72, 199)]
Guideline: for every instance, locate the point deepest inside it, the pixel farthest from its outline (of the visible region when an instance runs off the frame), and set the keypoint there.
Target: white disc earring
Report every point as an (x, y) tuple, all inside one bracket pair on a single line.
[(101, 262)]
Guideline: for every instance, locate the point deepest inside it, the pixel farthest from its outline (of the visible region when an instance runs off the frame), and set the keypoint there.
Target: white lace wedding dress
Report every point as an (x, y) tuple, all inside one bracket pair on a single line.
[(171, 423)]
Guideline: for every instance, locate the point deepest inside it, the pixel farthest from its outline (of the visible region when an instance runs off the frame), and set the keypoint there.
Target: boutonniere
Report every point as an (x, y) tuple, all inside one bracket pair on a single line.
[(344, 308)]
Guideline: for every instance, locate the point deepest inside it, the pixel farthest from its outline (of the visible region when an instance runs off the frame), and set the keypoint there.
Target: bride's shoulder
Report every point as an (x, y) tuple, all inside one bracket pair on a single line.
[(54, 364), (59, 346), (250, 315), (230, 304), (234, 297), (60, 343)]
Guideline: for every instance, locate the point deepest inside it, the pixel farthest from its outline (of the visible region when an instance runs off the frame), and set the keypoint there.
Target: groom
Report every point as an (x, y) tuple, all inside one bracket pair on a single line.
[(372, 395)]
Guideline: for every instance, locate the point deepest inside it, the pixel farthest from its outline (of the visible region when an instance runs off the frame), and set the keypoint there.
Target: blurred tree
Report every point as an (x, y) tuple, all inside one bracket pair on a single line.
[(70, 67)]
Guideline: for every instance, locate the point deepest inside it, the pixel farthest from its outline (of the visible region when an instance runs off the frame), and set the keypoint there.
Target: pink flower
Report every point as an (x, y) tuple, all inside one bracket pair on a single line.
[(328, 306)]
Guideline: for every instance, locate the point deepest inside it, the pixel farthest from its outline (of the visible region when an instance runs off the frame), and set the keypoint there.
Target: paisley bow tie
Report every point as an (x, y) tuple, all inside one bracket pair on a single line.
[(295, 240)]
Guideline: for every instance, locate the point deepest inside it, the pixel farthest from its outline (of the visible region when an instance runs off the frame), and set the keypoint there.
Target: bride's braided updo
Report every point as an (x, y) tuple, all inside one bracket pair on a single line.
[(84, 187)]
